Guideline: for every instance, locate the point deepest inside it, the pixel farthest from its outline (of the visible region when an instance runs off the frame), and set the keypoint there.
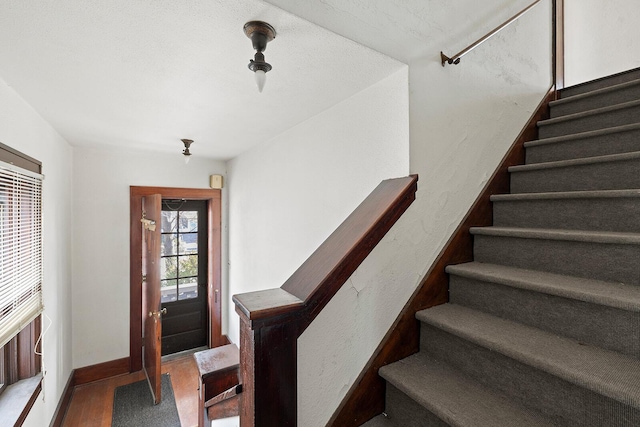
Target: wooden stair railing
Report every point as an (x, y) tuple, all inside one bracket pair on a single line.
[(219, 383), (272, 320)]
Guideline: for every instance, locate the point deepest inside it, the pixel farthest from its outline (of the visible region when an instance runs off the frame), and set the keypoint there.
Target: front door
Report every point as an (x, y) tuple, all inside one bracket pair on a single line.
[(212, 255), (184, 275), (151, 292)]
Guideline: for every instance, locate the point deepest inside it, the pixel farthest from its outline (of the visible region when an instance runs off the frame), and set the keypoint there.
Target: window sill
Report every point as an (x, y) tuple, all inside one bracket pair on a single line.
[(16, 401)]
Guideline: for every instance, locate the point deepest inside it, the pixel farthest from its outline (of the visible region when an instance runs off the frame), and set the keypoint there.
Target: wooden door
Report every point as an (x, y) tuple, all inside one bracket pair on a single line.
[(151, 206), (214, 265), (184, 277)]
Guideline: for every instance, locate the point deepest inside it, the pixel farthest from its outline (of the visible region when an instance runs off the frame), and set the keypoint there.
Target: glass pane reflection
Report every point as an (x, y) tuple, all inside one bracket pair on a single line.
[(188, 221), (169, 244), (168, 268), (168, 290), (169, 222), (188, 243), (188, 288), (188, 265)]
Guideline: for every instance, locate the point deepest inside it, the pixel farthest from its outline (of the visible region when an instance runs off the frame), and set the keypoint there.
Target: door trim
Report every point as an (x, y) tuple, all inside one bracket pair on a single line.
[(213, 196)]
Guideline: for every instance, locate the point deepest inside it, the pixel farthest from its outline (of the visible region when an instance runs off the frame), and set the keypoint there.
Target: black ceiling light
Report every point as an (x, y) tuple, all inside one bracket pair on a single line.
[(187, 154), (260, 34)]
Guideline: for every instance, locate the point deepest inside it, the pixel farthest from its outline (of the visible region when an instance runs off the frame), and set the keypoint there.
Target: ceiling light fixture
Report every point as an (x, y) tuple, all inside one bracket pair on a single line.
[(260, 34), (187, 154)]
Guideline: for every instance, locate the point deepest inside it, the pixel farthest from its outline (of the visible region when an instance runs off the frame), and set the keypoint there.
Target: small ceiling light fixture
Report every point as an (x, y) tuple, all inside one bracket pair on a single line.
[(260, 34), (187, 154)]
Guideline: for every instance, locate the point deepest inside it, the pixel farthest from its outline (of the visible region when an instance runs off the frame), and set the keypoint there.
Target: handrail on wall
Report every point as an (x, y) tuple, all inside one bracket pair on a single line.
[(455, 59), (271, 321)]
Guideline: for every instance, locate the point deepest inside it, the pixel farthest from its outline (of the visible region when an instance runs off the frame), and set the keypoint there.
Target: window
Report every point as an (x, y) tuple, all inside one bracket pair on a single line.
[(179, 252), (20, 265)]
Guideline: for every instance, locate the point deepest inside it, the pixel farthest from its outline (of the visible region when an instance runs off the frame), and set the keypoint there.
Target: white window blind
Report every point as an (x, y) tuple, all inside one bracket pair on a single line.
[(21, 249)]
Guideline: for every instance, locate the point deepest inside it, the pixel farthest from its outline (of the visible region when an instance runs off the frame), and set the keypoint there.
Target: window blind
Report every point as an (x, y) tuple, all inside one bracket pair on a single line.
[(20, 249)]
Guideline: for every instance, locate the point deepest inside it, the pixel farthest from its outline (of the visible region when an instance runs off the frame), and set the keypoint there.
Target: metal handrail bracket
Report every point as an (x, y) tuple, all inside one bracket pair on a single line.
[(455, 59)]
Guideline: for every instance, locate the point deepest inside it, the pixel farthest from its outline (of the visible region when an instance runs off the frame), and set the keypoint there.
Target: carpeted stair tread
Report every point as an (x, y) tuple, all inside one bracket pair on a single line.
[(580, 144), (602, 82), (597, 210), (603, 172), (617, 295), (620, 157), (582, 135), (589, 113), (602, 371), (567, 235), (454, 398), (595, 92), (614, 94), (594, 194)]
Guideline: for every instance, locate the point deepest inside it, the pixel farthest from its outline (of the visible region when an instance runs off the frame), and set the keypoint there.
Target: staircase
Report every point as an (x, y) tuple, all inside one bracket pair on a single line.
[(543, 328)]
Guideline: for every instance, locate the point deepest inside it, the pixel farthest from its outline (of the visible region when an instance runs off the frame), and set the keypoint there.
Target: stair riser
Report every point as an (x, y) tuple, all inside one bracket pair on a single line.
[(610, 262), (593, 324), (592, 122), (601, 83), (602, 145), (631, 93), (404, 411), (597, 214), (567, 404), (618, 175)]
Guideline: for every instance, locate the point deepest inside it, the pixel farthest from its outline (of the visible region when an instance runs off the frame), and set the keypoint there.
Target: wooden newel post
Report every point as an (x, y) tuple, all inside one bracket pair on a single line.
[(268, 358)]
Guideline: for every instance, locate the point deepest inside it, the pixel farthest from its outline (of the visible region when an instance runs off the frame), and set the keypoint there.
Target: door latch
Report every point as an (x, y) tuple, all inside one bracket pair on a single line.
[(158, 313), (148, 224)]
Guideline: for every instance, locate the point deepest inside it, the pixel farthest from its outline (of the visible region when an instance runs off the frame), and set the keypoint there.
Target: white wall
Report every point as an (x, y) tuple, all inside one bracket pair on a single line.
[(463, 118), (289, 194), (601, 38), (22, 128), (101, 239)]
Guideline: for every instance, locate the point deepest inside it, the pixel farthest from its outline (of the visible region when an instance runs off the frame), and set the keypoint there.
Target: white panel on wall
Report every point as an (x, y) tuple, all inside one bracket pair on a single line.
[(289, 194)]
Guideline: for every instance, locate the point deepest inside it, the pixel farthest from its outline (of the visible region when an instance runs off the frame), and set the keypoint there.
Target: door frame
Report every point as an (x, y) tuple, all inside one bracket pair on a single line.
[(214, 263)]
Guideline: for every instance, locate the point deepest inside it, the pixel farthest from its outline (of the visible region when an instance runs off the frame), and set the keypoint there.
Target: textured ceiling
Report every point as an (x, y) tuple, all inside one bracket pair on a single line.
[(407, 30), (144, 74)]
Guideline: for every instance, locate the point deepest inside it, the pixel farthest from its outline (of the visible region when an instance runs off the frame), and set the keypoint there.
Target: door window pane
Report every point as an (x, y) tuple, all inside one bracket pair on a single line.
[(188, 288), (169, 244), (169, 222), (168, 268), (188, 265), (168, 289), (188, 243), (188, 221)]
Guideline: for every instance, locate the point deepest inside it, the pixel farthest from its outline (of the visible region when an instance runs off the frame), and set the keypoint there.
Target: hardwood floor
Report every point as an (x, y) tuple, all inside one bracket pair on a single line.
[(92, 404)]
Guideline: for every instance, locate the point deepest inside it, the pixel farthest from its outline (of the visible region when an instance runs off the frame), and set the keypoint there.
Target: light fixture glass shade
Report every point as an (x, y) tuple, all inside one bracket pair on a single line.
[(261, 78), (187, 157)]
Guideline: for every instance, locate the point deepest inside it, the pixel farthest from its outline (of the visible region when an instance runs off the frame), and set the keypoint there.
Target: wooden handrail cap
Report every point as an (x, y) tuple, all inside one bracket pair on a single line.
[(217, 359), (267, 303)]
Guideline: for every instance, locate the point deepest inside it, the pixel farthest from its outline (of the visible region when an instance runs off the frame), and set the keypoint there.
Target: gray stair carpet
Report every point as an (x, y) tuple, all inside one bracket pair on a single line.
[(543, 327), (598, 118), (613, 140), (611, 95)]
